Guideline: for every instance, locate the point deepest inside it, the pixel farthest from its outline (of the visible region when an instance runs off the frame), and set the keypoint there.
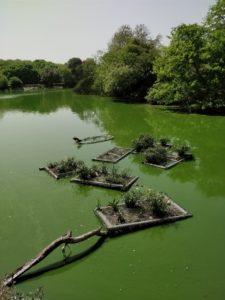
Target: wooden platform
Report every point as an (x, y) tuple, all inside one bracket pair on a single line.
[(57, 176), (171, 163), (106, 215), (113, 155), (97, 182)]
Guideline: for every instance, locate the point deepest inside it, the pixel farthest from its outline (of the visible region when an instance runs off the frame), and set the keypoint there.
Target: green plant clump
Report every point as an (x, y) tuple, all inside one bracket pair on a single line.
[(85, 173), (3, 83), (15, 83), (115, 177), (144, 142), (121, 217), (164, 142), (104, 169), (114, 205), (132, 197), (184, 152), (65, 166), (157, 155), (158, 203)]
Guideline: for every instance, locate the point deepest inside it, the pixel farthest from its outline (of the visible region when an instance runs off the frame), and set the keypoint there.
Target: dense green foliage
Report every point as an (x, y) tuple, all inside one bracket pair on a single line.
[(156, 155), (191, 70), (74, 73), (25, 71), (158, 203), (15, 83), (66, 166), (75, 66), (143, 142), (3, 83), (125, 70), (50, 76), (34, 73), (86, 84), (132, 197), (216, 16)]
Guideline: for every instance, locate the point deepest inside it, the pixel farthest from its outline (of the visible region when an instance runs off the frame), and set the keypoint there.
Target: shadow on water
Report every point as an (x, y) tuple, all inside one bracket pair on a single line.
[(71, 259), (129, 100), (215, 112), (64, 262)]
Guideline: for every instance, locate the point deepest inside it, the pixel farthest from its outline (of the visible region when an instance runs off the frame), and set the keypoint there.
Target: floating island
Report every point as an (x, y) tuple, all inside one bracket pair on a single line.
[(140, 209)]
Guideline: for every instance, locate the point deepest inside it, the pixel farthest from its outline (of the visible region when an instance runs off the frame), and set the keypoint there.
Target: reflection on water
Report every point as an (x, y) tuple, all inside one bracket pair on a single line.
[(13, 96), (204, 133), (37, 128)]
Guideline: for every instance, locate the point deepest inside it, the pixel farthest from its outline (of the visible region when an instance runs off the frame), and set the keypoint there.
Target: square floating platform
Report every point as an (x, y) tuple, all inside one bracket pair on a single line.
[(101, 182), (169, 164), (113, 155), (137, 218), (56, 175)]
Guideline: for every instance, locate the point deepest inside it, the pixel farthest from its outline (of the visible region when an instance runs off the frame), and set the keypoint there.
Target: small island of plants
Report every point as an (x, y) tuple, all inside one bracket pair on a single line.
[(104, 177), (140, 208), (113, 155), (161, 153), (63, 168)]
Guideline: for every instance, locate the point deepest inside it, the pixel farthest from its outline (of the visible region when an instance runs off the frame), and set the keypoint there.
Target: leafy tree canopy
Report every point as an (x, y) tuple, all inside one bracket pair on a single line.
[(75, 66), (86, 84), (216, 16), (50, 76), (191, 70), (23, 70), (125, 69), (3, 82), (15, 83)]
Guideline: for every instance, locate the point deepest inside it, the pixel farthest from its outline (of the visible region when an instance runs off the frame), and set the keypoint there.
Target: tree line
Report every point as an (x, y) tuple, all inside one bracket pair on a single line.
[(189, 72)]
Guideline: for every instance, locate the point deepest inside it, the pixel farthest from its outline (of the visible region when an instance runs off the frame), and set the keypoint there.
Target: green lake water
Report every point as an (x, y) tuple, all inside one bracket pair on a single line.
[(184, 260)]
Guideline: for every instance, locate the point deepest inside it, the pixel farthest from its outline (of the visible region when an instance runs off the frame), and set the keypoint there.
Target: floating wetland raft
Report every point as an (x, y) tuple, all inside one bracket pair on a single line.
[(56, 175), (171, 162), (162, 153), (63, 168), (125, 219), (117, 219), (101, 181), (113, 155), (93, 139)]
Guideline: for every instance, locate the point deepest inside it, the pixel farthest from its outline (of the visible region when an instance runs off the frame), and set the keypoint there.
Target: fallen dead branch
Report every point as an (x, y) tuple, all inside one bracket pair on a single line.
[(65, 239)]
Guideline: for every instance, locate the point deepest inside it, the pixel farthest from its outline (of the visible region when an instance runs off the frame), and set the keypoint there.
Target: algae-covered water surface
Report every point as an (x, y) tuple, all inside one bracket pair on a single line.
[(184, 260)]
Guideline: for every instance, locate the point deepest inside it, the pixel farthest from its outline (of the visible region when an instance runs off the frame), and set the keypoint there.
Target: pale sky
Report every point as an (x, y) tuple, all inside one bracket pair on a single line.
[(57, 30)]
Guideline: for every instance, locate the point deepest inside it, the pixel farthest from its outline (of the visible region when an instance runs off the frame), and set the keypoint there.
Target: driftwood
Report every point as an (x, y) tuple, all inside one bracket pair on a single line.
[(64, 239), (93, 139)]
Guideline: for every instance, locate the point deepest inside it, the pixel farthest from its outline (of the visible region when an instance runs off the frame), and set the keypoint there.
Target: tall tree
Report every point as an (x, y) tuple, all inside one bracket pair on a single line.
[(215, 18), (86, 84), (50, 76), (180, 68), (24, 71), (125, 70), (75, 66), (3, 83), (191, 70)]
